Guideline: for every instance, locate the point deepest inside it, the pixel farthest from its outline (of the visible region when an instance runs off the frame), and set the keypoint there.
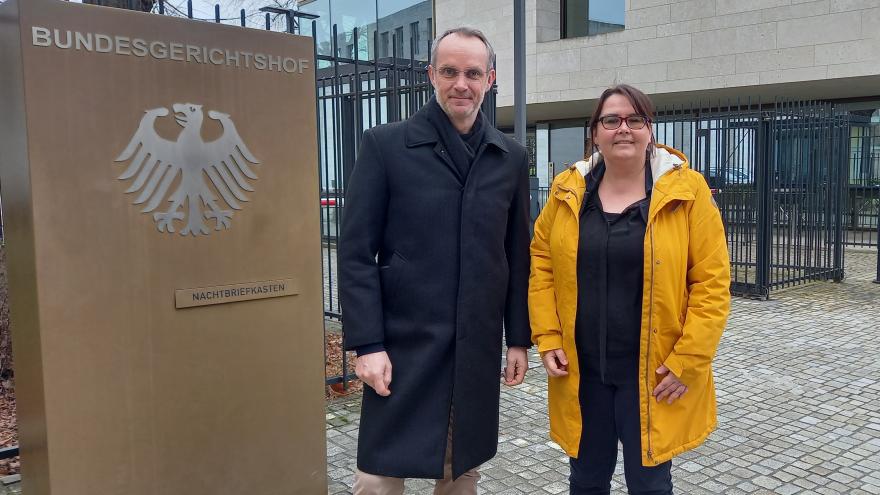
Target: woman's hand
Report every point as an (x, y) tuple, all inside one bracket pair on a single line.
[(555, 362), (670, 388)]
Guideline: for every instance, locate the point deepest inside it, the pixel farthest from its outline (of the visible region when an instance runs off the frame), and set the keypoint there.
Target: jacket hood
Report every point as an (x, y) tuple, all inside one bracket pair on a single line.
[(665, 159)]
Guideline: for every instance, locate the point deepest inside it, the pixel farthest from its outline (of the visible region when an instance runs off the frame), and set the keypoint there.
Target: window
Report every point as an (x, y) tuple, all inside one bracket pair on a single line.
[(430, 29), (566, 144), (864, 160), (414, 36), (592, 17), (398, 42), (322, 34), (385, 47), (369, 18), (405, 21)]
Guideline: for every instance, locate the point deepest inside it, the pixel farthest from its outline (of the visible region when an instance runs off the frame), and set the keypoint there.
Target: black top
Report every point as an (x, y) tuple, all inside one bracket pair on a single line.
[(610, 277)]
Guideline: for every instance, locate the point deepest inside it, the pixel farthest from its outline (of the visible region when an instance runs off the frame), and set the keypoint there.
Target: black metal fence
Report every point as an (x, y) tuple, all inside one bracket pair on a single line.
[(782, 175), (352, 94), (863, 184), (778, 173)]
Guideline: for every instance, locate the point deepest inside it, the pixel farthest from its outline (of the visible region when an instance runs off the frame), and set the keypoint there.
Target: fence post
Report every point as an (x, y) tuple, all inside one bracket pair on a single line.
[(842, 142), (534, 203), (764, 217), (519, 70), (877, 280)]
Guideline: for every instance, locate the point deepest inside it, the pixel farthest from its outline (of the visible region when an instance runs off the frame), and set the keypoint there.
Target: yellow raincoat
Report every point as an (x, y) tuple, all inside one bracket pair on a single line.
[(686, 299)]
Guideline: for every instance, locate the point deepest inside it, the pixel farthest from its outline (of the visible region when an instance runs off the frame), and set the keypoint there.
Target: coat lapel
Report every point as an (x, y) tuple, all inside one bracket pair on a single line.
[(443, 155), (420, 131), (493, 136)]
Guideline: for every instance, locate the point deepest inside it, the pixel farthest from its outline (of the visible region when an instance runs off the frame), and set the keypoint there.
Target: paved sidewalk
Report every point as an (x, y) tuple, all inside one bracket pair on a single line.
[(798, 381), (10, 485)]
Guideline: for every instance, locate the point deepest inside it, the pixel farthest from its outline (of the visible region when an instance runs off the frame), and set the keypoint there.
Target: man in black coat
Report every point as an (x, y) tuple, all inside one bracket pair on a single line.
[(433, 266)]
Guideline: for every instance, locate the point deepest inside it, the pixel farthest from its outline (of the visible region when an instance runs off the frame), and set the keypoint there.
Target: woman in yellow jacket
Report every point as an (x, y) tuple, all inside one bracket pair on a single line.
[(628, 296)]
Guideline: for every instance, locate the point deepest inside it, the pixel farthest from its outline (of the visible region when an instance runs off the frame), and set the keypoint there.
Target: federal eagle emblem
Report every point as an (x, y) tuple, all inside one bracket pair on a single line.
[(158, 162)]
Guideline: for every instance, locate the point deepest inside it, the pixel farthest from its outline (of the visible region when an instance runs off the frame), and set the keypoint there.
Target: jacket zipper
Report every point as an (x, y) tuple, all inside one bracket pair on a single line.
[(648, 356)]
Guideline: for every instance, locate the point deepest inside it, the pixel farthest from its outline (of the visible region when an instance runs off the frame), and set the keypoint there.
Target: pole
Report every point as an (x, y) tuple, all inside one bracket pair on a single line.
[(877, 280), (519, 70)]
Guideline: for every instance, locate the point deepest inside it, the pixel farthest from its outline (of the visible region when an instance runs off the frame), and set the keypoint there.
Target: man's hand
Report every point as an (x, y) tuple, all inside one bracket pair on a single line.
[(555, 362), (516, 366), (670, 388), (375, 370)]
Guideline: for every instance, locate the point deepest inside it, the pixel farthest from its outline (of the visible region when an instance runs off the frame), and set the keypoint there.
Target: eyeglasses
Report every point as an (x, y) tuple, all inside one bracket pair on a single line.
[(634, 122), (452, 73)]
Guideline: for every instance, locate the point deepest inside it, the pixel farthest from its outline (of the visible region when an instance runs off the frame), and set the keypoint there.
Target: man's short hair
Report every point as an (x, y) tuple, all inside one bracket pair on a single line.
[(467, 32)]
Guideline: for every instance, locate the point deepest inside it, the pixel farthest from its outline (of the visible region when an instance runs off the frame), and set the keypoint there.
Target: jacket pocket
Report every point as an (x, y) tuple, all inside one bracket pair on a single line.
[(389, 278), (665, 341)]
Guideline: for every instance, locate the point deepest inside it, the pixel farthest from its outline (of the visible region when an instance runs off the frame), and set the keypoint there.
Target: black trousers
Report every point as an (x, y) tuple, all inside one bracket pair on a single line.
[(611, 413)]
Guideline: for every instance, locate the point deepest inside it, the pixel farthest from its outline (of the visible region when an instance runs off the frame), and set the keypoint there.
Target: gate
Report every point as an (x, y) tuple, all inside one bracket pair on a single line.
[(863, 184), (778, 173)]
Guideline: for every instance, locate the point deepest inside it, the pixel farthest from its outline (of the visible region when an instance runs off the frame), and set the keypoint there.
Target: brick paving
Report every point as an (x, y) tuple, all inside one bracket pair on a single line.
[(798, 380)]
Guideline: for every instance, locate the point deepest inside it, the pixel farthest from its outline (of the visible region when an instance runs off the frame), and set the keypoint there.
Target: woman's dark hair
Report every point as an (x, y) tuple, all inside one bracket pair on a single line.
[(640, 102)]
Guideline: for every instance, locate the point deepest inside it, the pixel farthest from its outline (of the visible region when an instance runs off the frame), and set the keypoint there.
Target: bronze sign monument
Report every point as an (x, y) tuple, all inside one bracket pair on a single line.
[(159, 185)]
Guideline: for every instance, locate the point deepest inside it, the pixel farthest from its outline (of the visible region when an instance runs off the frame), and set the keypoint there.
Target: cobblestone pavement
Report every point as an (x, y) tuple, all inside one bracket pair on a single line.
[(10, 485), (798, 380)]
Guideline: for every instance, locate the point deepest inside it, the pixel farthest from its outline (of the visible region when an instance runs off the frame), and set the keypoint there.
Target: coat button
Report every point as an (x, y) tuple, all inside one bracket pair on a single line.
[(568, 196), (655, 330), (657, 262)]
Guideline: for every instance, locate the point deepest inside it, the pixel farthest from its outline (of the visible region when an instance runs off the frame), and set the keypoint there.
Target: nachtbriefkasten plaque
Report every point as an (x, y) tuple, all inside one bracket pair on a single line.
[(160, 199)]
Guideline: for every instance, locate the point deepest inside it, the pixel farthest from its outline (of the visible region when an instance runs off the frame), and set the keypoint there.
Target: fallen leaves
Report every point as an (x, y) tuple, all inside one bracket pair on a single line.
[(8, 426), (333, 363)]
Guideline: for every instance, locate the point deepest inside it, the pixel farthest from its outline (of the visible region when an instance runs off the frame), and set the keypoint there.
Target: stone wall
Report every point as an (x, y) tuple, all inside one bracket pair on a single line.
[(672, 46)]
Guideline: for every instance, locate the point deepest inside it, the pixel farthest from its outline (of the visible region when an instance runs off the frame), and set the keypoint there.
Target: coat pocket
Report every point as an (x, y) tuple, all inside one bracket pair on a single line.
[(389, 277), (665, 341)]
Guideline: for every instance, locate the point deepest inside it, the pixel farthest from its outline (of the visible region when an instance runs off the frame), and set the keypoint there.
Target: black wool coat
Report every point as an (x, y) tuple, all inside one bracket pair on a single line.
[(436, 267)]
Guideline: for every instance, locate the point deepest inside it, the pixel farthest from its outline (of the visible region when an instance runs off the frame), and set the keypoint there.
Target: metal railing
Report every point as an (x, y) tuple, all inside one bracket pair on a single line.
[(352, 94), (778, 171), (863, 184), (877, 280), (778, 174)]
